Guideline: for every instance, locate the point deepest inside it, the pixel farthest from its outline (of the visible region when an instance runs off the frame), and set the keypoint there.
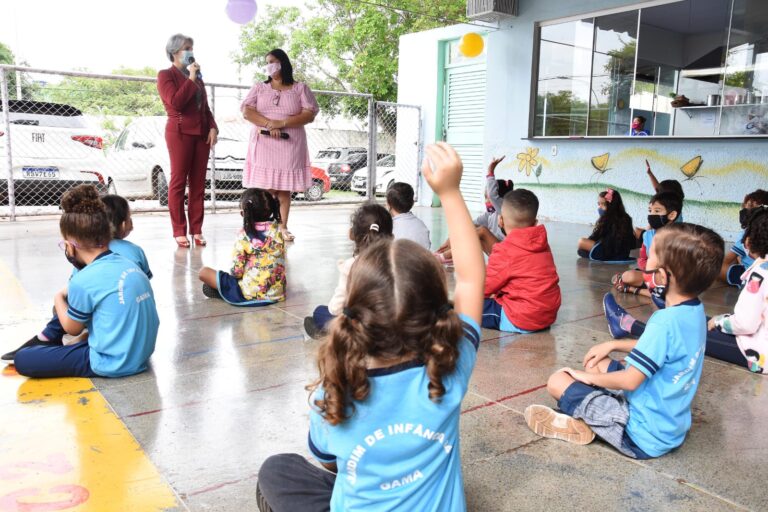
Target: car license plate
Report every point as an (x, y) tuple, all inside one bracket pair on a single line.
[(40, 173), (229, 176)]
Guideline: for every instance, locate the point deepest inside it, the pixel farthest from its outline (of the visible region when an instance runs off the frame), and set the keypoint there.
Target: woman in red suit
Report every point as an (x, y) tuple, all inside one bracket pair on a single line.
[(189, 134)]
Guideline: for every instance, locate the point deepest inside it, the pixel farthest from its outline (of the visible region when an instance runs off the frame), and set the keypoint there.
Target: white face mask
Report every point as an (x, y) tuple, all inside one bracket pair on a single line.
[(272, 68), (186, 55)]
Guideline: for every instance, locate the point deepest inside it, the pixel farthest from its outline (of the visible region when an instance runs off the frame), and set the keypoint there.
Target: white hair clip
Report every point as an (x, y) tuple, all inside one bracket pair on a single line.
[(374, 227)]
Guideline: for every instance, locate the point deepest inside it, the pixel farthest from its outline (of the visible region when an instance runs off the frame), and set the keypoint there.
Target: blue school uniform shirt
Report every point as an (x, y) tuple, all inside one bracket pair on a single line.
[(130, 251), (670, 354), (133, 252), (114, 299), (400, 450), (648, 235), (739, 250)]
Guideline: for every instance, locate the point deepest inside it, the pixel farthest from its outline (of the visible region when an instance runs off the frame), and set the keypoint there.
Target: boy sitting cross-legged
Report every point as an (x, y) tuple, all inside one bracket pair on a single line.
[(649, 413)]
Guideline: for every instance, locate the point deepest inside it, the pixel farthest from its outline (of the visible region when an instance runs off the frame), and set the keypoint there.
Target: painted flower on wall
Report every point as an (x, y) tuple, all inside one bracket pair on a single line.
[(527, 160)]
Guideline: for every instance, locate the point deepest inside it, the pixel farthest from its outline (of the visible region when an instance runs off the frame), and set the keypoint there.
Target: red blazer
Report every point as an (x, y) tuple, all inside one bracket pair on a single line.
[(522, 276), (178, 94)]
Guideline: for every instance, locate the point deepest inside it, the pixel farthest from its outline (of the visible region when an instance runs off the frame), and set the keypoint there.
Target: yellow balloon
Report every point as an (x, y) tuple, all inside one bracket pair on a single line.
[(471, 45)]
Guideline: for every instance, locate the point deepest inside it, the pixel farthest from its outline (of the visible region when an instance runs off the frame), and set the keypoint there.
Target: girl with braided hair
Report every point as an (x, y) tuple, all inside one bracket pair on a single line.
[(392, 374), (257, 277)]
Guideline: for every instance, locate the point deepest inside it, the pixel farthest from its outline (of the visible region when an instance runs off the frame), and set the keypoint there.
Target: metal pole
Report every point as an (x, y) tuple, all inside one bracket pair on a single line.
[(18, 85), (372, 130), (7, 135), (213, 153), (419, 154)]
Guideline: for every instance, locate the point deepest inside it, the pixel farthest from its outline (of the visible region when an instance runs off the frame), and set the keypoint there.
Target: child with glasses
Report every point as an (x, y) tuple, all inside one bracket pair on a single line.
[(119, 215), (109, 295)]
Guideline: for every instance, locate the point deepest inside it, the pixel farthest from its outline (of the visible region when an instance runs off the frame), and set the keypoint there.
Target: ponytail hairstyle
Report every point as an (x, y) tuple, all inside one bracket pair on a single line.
[(370, 222), (118, 211), (85, 218), (258, 205), (396, 308), (614, 228)]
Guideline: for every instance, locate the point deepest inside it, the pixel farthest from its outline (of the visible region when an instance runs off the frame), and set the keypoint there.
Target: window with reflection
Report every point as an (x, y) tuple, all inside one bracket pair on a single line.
[(691, 68)]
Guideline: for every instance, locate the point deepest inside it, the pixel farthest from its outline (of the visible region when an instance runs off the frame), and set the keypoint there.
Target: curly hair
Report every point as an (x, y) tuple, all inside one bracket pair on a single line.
[(614, 228), (757, 231), (369, 223), (395, 309), (85, 218)]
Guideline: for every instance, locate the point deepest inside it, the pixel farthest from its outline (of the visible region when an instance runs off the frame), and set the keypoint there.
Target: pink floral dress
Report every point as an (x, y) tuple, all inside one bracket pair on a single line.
[(279, 164)]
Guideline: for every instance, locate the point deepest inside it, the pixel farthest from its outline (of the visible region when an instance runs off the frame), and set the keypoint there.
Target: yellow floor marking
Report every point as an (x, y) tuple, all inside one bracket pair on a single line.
[(62, 447)]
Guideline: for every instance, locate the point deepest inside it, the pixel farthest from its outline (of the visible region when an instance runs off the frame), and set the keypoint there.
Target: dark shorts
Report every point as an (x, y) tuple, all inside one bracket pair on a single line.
[(734, 274), (598, 254), (605, 411), (229, 289), (47, 361)]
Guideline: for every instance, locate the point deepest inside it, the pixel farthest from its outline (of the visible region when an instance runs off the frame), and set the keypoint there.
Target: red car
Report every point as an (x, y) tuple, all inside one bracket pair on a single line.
[(321, 184)]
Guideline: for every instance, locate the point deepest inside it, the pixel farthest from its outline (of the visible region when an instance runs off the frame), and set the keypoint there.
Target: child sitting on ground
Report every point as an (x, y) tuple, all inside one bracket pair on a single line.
[(405, 225), (740, 338), (613, 237), (663, 209), (487, 223), (522, 294), (738, 260), (642, 407), (109, 295), (257, 277), (385, 409), (370, 223), (119, 217), (672, 186)]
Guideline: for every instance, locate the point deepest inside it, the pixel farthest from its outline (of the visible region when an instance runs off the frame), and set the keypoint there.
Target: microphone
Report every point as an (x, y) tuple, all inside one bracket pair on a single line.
[(199, 73), (283, 135)]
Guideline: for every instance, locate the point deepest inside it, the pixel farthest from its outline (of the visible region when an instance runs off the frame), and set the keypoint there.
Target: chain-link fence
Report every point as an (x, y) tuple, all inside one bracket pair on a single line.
[(61, 129)]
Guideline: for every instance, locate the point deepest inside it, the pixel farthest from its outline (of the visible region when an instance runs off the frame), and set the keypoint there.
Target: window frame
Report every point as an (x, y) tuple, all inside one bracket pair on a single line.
[(639, 7)]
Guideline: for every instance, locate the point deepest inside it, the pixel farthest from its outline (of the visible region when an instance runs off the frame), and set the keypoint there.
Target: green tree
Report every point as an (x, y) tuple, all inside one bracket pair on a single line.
[(28, 88), (343, 45), (108, 97)]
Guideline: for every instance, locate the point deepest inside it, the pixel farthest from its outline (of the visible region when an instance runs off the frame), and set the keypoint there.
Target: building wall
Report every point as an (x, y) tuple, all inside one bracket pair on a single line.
[(561, 172)]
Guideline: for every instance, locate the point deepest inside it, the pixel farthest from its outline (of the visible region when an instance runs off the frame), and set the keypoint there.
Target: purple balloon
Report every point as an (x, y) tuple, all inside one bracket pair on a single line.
[(241, 11)]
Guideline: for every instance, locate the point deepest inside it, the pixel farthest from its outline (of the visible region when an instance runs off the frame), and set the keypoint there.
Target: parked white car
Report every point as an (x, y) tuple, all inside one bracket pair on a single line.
[(140, 164), (53, 149), (385, 176)]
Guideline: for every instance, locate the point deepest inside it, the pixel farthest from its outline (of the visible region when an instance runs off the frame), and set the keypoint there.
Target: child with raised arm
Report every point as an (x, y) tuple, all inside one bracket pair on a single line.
[(642, 407), (393, 372)]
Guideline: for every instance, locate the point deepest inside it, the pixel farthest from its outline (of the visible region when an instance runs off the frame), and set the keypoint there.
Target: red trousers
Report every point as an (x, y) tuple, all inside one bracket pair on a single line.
[(189, 161)]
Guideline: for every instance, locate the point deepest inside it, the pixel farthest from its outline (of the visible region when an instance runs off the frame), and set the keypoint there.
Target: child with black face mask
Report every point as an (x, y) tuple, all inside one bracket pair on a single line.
[(663, 208), (740, 338), (738, 260)]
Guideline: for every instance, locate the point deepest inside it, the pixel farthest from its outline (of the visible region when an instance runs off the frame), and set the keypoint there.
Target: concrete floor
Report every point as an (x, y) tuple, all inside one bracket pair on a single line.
[(226, 388)]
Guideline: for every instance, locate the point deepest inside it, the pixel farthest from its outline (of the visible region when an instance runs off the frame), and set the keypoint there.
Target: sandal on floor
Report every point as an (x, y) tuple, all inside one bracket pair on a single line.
[(623, 287), (199, 240), (182, 242), (287, 235)]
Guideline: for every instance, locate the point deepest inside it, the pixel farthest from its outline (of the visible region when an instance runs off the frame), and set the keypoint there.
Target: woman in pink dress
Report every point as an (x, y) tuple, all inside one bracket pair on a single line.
[(281, 106)]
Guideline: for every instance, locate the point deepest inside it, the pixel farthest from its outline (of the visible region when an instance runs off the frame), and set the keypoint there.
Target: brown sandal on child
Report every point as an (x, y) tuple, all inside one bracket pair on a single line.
[(623, 287)]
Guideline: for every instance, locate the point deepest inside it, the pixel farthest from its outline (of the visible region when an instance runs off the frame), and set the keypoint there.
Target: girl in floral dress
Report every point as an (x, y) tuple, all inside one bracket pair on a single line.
[(257, 277)]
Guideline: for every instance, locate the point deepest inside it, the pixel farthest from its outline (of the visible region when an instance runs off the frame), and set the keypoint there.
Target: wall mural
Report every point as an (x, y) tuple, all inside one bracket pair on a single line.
[(715, 178)]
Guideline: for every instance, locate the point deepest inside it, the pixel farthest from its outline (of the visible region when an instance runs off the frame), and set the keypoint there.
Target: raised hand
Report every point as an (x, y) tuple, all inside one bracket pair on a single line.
[(442, 168)]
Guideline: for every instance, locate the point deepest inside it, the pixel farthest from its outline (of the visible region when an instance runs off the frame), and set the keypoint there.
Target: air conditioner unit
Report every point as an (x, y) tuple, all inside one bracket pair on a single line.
[(491, 10)]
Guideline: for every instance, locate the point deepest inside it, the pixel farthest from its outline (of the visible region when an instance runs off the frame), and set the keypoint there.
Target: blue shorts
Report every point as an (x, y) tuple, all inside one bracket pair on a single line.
[(605, 411), (494, 318), (44, 361), (598, 254), (229, 289)]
